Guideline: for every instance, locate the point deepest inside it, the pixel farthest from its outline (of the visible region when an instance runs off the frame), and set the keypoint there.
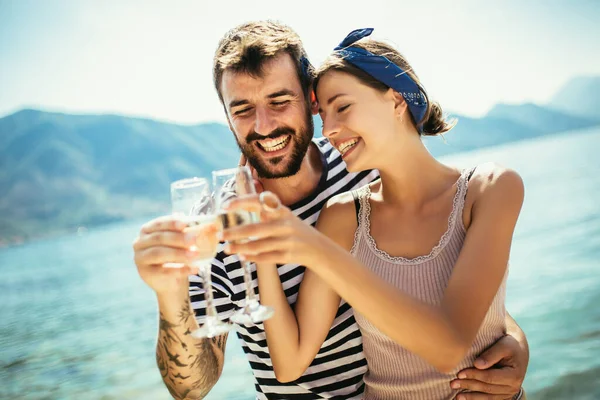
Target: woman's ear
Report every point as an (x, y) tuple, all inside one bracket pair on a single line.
[(400, 105)]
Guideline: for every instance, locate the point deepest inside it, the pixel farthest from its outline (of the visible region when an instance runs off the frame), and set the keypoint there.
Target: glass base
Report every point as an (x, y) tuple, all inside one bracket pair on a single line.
[(211, 328), (252, 313)]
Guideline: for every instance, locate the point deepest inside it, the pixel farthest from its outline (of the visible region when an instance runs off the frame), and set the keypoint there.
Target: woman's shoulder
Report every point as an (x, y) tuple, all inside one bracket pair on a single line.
[(495, 183), (492, 177)]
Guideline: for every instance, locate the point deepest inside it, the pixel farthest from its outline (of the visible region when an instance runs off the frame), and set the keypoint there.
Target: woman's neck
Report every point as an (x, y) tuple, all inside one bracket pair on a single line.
[(418, 178)]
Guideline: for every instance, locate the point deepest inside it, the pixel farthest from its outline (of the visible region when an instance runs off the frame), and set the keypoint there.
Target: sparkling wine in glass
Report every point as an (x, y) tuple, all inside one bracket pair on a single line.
[(191, 200), (229, 183)]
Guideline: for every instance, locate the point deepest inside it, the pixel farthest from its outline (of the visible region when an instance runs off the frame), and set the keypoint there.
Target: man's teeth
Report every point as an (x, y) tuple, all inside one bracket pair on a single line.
[(274, 144), (344, 147)]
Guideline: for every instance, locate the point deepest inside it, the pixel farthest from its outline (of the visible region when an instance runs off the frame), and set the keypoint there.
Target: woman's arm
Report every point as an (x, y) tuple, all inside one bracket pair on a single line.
[(294, 337), (440, 334)]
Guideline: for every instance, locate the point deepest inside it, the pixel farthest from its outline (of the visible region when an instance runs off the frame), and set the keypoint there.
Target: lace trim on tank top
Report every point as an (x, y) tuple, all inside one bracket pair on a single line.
[(364, 226)]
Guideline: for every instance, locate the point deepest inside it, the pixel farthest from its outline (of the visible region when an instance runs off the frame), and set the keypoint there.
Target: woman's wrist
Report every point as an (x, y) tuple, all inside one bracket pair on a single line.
[(321, 253)]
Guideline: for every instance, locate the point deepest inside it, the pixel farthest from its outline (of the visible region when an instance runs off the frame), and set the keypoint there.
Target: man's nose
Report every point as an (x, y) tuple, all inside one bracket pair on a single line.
[(265, 122)]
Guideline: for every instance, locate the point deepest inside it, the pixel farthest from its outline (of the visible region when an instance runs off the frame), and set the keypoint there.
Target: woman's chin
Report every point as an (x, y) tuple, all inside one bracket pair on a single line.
[(355, 167)]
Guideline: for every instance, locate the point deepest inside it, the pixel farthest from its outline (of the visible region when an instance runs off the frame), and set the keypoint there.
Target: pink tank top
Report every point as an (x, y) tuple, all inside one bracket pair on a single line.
[(394, 372)]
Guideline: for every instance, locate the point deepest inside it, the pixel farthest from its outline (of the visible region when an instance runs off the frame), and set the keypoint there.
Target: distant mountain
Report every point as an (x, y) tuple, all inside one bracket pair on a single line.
[(541, 119), (59, 172), (474, 133), (580, 96), (506, 123)]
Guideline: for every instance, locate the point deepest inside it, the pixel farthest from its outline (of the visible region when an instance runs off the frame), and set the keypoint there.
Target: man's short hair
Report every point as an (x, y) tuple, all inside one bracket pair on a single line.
[(247, 47)]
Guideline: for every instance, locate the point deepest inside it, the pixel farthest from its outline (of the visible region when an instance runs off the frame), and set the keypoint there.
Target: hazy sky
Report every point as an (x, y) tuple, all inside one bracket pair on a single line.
[(154, 58)]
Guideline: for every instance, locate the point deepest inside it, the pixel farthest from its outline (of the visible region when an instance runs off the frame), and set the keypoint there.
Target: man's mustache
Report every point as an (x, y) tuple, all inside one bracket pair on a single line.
[(253, 136)]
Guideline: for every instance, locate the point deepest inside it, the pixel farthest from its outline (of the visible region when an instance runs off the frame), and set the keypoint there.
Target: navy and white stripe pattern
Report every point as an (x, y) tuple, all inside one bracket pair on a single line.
[(338, 369)]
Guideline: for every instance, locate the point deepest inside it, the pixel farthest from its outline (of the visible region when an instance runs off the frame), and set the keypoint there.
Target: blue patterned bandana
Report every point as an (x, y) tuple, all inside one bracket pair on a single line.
[(385, 71)]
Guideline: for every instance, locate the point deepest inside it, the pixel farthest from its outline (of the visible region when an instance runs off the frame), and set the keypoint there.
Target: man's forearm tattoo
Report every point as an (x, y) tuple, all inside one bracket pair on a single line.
[(187, 374)]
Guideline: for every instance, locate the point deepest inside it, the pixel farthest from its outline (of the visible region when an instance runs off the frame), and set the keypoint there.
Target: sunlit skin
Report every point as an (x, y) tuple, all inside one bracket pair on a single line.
[(351, 110), (415, 189), (273, 106), (264, 109), (387, 141)]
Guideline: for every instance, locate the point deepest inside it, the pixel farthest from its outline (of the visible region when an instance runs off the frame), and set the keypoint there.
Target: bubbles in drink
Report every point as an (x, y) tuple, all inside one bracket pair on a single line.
[(205, 229)]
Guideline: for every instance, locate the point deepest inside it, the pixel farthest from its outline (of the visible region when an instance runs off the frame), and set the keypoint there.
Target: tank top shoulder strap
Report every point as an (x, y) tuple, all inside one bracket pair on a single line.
[(470, 173), (463, 186), (361, 205), (356, 205)]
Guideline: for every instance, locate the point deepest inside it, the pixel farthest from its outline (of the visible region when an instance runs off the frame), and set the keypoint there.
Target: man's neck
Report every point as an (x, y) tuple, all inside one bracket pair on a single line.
[(294, 188)]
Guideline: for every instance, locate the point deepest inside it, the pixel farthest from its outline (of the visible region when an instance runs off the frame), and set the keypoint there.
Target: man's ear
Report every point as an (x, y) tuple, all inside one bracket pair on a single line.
[(314, 105)]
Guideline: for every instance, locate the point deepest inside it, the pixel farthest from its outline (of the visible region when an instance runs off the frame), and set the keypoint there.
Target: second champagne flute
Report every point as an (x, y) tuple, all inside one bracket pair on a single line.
[(230, 183)]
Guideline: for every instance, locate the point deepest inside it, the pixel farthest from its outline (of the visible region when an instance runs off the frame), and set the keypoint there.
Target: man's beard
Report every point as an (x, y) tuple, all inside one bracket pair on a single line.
[(300, 140)]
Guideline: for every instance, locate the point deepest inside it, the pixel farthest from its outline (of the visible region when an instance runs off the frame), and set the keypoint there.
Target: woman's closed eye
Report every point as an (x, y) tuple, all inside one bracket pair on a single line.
[(343, 108)]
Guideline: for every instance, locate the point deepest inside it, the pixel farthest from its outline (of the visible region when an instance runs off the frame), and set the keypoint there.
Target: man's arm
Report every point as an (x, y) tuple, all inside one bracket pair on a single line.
[(500, 370), (189, 367)]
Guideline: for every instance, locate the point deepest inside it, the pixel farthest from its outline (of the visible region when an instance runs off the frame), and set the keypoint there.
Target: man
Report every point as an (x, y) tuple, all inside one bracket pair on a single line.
[(263, 80)]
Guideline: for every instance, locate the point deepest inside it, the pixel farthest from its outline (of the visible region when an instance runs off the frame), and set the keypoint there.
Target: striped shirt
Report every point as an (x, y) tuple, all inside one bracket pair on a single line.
[(337, 370)]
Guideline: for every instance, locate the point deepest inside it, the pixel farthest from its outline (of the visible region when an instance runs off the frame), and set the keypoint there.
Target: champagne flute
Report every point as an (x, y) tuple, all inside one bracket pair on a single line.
[(230, 183), (191, 200)]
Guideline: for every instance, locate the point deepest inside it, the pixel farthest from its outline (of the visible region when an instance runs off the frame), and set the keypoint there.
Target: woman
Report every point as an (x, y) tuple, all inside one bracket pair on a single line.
[(421, 254)]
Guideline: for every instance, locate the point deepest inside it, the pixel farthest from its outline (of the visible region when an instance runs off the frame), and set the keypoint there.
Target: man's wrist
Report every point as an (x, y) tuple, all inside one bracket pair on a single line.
[(172, 300)]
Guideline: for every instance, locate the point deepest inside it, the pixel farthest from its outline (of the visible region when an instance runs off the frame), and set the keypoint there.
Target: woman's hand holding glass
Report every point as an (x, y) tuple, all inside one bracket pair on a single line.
[(279, 238)]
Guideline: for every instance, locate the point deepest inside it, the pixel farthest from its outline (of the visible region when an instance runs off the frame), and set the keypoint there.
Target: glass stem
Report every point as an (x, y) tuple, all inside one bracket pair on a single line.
[(250, 296), (211, 311)]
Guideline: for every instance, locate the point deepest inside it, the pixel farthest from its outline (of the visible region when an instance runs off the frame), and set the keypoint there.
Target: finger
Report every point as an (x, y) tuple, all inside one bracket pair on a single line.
[(256, 247), (503, 348), (494, 376), (269, 201), (243, 161), (165, 238), (258, 186), (164, 223), (481, 396), (261, 230), (249, 203), (189, 270), (177, 269), (162, 255), (267, 206), (483, 387)]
